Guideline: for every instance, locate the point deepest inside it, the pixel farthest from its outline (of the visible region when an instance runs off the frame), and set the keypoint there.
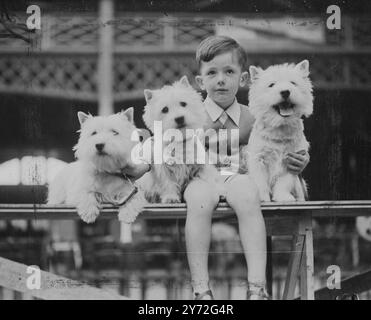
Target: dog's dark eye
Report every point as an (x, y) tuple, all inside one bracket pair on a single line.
[(165, 110), (183, 104), (271, 85), (94, 133), (294, 83), (115, 133)]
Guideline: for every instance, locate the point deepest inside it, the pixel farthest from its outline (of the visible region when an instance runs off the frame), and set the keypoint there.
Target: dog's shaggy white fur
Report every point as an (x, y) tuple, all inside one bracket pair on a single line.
[(179, 107), (103, 150), (278, 98)]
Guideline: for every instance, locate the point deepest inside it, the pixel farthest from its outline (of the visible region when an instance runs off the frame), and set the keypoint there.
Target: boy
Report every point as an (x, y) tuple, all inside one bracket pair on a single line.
[(221, 63)]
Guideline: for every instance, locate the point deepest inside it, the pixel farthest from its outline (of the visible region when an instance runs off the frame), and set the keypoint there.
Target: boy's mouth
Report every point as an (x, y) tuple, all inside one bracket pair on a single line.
[(221, 90)]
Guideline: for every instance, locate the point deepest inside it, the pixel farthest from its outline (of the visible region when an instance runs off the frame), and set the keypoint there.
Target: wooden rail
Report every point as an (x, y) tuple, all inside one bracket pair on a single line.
[(177, 211)]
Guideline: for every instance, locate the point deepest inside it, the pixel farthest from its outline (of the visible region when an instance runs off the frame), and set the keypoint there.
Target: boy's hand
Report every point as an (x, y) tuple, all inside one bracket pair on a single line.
[(135, 171), (297, 161)]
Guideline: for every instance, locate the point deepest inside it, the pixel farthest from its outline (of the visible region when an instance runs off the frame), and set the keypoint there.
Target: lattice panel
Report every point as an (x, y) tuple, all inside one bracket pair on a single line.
[(143, 32), (133, 74), (335, 37), (59, 76), (360, 71), (131, 32), (75, 76), (73, 31), (361, 31), (191, 32)]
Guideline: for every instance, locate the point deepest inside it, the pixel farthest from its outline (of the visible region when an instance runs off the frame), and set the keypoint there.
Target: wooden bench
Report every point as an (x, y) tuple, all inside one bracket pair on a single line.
[(293, 219)]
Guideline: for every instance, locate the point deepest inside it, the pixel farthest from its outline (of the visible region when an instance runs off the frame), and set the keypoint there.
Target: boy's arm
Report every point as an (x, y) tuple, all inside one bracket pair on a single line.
[(297, 161)]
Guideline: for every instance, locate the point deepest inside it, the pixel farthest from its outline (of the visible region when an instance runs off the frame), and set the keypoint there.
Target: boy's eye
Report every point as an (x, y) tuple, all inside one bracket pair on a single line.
[(115, 133), (183, 104), (294, 83), (165, 110), (271, 85), (210, 73), (230, 71), (94, 133)]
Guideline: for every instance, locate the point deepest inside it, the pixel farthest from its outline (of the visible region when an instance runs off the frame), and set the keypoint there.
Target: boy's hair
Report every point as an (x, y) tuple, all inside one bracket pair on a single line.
[(215, 45)]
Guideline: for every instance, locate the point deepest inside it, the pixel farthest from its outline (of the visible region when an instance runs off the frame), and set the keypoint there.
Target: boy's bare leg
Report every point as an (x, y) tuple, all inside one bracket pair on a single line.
[(201, 199), (243, 196)]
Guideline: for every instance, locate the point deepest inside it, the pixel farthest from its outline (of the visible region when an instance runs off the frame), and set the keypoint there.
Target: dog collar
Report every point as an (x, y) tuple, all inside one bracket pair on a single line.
[(117, 200)]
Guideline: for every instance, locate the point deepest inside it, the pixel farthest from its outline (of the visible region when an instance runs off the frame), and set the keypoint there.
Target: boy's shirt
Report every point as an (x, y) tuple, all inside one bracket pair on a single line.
[(237, 122)]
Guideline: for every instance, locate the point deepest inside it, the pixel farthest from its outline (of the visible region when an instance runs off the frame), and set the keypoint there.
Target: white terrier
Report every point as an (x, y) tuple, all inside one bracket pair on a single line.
[(178, 107), (278, 97), (103, 150)]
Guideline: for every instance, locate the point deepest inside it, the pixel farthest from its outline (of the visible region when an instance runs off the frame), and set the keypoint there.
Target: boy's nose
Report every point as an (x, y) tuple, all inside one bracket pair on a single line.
[(221, 78)]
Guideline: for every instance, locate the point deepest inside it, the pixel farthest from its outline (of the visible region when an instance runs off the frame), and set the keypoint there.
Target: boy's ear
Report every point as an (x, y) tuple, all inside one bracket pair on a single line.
[(148, 95), (303, 67), (129, 114), (244, 78), (184, 81), (254, 72), (200, 82), (82, 117)]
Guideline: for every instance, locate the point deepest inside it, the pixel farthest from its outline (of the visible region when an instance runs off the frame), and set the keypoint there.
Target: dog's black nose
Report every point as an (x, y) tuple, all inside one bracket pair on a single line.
[(179, 120), (99, 146), (285, 94)]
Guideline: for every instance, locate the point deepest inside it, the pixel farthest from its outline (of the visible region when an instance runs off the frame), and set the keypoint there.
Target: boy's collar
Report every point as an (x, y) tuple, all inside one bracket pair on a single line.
[(214, 111)]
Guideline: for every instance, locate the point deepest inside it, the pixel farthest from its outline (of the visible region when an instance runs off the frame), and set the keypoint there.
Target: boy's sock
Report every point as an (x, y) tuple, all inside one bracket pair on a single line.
[(200, 286), (257, 291)]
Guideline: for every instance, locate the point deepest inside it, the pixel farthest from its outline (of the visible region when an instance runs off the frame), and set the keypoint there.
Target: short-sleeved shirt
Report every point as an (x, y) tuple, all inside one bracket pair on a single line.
[(237, 123)]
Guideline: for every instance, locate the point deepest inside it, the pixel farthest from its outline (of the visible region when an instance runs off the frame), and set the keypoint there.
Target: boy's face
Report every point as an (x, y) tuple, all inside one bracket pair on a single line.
[(221, 77)]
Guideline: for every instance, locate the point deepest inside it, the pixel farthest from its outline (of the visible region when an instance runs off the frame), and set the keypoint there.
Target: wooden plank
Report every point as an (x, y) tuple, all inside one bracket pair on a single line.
[(178, 211), (13, 275), (355, 284), (294, 266)]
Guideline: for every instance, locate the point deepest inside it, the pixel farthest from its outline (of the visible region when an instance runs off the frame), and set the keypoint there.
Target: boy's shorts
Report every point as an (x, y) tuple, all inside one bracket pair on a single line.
[(224, 179)]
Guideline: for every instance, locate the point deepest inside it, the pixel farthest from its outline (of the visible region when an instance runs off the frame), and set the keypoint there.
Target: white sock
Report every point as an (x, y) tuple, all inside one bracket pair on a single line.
[(200, 286)]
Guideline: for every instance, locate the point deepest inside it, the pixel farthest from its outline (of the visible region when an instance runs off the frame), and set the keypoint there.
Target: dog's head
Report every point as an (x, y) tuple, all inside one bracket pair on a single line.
[(178, 106), (106, 141), (281, 93)]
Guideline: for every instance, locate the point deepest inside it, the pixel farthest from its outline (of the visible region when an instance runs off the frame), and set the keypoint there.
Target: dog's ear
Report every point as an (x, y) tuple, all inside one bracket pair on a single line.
[(129, 114), (254, 72), (184, 81), (303, 67), (148, 95), (82, 117)]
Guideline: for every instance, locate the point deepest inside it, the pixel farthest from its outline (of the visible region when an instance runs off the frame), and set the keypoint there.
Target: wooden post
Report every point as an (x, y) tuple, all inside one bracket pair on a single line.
[(307, 263), (294, 266), (269, 269), (105, 58)]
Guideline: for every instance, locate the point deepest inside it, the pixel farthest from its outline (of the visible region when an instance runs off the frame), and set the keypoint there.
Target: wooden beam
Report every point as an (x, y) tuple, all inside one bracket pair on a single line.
[(273, 210), (355, 284), (14, 276)]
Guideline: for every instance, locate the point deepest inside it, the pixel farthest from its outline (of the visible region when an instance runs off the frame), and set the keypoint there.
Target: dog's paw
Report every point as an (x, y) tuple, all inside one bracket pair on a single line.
[(283, 197), (264, 197), (127, 217), (170, 198), (88, 213)]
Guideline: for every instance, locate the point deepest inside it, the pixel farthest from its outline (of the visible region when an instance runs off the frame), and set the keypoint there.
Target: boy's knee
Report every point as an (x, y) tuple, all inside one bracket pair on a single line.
[(242, 189), (201, 196)]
